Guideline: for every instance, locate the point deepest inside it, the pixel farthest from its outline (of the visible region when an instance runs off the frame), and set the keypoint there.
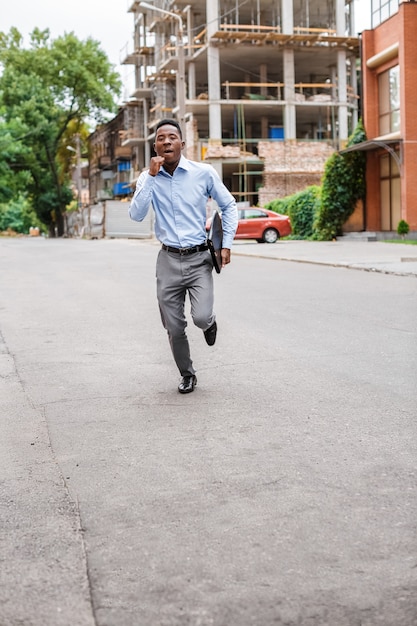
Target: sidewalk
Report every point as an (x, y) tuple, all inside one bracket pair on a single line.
[(373, 256)]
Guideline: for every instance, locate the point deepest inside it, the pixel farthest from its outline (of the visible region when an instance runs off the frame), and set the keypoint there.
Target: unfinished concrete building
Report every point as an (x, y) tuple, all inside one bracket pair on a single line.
[(265, 89)]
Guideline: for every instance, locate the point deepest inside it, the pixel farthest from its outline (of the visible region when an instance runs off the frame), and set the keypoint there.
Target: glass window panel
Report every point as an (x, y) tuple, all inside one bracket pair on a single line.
[(385, 205), (383, 92), (395, 170), (384, 13), (395, 202), (394, 82), (384, 166), (382, 9), (385, 124), (394, 87), (395, 122), (394, 6), (389, 101)]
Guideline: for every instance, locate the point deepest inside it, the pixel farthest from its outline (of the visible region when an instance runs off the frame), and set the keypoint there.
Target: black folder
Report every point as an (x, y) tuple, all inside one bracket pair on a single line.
[(215, 241)]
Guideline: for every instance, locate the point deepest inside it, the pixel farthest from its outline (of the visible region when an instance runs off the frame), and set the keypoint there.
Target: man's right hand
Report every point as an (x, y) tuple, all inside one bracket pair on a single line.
[(155, 165)]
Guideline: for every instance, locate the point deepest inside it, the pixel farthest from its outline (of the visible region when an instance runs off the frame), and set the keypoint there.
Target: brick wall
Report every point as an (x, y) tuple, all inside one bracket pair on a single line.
[(281, 185), (400, 28), (294, 156), (291, 167)]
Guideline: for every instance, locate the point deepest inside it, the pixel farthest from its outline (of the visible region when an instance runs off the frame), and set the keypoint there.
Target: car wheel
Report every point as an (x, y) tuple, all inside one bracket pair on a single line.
[(270, 235)]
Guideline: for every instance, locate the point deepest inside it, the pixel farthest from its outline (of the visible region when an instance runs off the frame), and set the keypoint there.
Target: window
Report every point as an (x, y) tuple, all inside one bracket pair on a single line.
[(390, 189), (254, 214), (382, 10), (389, 101)]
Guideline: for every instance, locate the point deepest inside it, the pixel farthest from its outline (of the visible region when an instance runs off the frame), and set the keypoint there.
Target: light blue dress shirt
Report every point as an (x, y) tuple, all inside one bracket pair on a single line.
[(180, 202)]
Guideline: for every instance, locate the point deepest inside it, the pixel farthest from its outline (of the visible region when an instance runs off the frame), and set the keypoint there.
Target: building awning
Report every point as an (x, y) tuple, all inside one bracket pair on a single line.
[(372, 144)]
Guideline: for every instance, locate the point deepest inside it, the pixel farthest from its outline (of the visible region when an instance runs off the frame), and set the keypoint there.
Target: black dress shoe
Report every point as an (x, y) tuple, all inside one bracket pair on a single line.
[(187, 384), (210, 334)]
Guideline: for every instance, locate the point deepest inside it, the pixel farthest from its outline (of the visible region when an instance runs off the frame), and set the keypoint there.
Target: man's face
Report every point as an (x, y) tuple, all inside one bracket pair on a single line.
[(168, 144)]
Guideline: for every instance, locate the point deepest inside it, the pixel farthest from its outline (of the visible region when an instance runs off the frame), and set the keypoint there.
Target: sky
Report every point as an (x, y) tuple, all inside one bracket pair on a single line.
[(106, 21)]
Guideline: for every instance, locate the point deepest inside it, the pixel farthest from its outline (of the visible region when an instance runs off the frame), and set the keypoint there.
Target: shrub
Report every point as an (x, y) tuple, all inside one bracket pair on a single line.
[(335, 205), (18, 216), (342, 186), (279, 205), (403, 228), (301, 208)]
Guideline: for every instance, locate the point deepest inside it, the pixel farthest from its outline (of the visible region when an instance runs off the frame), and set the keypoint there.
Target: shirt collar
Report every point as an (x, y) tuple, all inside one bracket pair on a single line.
[(183, 164)]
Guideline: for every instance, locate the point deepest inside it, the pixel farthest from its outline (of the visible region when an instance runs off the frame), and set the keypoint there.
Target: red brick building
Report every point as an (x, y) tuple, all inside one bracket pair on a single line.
[(389, 96)]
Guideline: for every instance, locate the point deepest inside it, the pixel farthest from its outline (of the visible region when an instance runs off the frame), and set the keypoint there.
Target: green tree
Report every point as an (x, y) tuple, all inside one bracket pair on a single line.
[(12, 151), (51, 89)]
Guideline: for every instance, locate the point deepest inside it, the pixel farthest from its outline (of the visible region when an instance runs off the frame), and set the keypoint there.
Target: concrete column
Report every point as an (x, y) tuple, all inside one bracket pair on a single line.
[(287, 12), (342, 89), (354, 83), (191, 86), (263, 75), (352, 30), (289, 107), (213, 70), (212, 13), (340, 18), (214, 78), (191, 81), (333, 78)]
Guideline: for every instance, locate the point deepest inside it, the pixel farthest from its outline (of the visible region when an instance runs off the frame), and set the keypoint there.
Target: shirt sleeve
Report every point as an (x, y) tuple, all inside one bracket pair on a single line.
[(142, 197), (227, 206)]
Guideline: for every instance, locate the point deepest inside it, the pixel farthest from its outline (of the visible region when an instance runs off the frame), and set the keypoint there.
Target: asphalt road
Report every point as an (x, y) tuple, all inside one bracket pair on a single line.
[(281, 492)]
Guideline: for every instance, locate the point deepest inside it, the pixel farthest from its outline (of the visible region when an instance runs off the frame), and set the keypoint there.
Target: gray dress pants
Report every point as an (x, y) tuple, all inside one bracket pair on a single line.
[(175, 276)]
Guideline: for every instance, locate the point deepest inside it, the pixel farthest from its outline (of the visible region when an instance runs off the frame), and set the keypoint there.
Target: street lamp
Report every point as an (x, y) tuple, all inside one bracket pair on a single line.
[(181, 61)]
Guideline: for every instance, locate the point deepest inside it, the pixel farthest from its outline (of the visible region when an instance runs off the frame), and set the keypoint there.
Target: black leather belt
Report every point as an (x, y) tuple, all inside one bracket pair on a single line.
[(185, 251)]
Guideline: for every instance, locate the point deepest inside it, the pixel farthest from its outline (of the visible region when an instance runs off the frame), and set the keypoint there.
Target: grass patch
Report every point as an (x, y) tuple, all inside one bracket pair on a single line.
[(410, 242)]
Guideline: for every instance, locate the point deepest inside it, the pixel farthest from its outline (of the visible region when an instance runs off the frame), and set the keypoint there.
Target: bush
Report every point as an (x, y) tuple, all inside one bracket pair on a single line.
[(342, 186), (301, 208), (336, 205), (279, 205), (18, 216), (403, 228)]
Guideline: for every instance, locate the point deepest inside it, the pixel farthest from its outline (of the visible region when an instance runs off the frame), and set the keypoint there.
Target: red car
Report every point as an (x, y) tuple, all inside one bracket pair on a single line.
[(260, 224)]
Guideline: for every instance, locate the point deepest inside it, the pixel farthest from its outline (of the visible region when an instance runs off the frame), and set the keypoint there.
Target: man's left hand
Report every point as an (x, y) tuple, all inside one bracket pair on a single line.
[(225, 256)]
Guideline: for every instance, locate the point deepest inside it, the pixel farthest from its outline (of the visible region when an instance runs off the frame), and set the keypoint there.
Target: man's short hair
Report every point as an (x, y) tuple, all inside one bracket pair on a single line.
[(171, 123)]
